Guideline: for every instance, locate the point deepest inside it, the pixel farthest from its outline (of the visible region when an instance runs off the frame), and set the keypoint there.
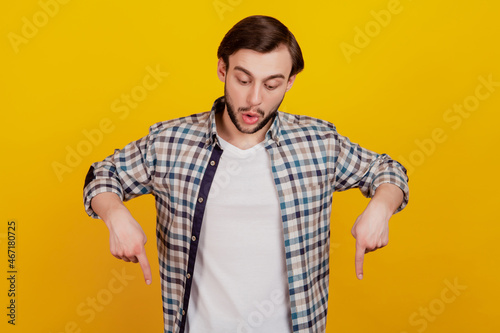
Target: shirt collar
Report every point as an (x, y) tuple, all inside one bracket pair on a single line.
[(219, 105)]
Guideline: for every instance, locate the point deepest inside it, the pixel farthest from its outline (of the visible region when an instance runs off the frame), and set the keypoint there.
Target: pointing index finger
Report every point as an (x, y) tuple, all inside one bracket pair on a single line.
[(359, 259), (144, 263)]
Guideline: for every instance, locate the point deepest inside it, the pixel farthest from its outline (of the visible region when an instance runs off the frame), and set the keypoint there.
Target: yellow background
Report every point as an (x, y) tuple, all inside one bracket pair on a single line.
[(389, 96)]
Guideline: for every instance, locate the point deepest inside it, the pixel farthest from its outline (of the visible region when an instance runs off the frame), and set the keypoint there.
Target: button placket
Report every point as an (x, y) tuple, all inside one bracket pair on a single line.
[(197, 221)]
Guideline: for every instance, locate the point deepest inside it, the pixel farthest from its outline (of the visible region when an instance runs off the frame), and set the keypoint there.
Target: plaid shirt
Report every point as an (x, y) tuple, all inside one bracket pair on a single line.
[(177, 161)]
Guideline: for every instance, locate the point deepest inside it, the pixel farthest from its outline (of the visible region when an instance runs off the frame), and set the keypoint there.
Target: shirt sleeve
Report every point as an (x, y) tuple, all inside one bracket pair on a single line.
[(357, 167), (127, 173)]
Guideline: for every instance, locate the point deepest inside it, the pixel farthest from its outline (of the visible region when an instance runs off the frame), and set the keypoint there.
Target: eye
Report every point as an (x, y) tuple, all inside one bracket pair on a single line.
[(269, 87), (243, 82)]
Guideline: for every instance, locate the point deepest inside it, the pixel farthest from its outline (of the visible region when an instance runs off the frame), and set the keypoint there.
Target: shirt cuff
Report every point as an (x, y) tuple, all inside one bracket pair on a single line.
[(397, 179), (96, 187)]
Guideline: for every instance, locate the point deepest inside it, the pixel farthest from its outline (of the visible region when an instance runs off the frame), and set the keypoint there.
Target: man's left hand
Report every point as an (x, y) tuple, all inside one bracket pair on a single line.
[(371, 229)]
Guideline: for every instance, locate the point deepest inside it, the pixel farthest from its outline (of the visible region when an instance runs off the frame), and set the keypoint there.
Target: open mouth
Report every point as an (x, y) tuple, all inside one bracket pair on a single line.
[(250, 118)]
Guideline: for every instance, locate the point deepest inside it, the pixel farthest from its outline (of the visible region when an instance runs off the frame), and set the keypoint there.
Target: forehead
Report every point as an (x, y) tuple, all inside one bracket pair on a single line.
[(278, 61)]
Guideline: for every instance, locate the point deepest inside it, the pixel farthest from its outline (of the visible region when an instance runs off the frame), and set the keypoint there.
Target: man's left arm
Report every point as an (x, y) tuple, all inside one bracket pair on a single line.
[(378, 177), (371, 228)]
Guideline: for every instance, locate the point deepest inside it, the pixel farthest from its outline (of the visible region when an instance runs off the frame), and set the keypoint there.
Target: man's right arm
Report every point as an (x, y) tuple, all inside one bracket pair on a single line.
[(121, 176), (126, 237)]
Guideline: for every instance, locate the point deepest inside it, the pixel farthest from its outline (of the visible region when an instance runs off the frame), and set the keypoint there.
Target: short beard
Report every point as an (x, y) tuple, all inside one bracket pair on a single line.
[(259, 126)]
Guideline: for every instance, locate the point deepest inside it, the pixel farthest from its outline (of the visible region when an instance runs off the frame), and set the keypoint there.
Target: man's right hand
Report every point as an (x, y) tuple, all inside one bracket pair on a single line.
[(126, 237)]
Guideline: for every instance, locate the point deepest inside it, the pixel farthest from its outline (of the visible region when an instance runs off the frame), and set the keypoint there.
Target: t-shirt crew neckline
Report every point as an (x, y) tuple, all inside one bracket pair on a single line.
[(238, 151)]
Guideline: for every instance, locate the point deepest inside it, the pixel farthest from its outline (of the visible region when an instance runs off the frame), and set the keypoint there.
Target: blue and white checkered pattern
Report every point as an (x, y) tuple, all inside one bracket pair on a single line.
[(177, 161)]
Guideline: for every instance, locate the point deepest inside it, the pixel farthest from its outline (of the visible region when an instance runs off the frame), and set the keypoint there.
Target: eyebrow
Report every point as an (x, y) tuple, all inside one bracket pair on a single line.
[(274, 76)]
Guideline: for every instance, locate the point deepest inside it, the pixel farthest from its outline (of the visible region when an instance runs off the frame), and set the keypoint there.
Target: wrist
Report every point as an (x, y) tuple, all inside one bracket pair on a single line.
[(381, 207)]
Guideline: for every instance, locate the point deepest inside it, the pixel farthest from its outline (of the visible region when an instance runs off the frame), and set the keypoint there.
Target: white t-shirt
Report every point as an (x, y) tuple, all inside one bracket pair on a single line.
[(240, 280)]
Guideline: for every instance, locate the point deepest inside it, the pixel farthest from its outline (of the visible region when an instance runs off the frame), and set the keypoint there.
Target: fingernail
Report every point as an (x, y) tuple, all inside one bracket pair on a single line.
[(148, 281), (360, 276)]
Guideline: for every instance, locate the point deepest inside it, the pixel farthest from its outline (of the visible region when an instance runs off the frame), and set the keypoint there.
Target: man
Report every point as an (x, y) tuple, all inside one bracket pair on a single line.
[(243, 197)]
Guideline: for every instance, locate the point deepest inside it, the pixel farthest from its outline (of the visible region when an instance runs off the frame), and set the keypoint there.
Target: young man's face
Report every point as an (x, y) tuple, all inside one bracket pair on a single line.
[(255, 85)]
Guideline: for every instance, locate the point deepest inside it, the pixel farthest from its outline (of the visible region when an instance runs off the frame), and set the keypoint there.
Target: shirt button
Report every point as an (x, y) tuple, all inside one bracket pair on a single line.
[(200, 199), (193, 238), (212, 163), (188, 275), (183, 312)]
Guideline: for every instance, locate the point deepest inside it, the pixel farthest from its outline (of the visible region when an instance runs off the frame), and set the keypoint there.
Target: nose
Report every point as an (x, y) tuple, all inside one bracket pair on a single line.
[(254, 95)]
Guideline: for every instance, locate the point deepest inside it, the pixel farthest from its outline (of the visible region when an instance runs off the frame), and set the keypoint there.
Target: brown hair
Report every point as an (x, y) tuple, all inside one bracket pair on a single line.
[(262, 34)]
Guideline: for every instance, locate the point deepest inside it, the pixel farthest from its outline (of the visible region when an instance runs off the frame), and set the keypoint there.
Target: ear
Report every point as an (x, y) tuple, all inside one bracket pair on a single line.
[(221, 70), (291, 80)]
